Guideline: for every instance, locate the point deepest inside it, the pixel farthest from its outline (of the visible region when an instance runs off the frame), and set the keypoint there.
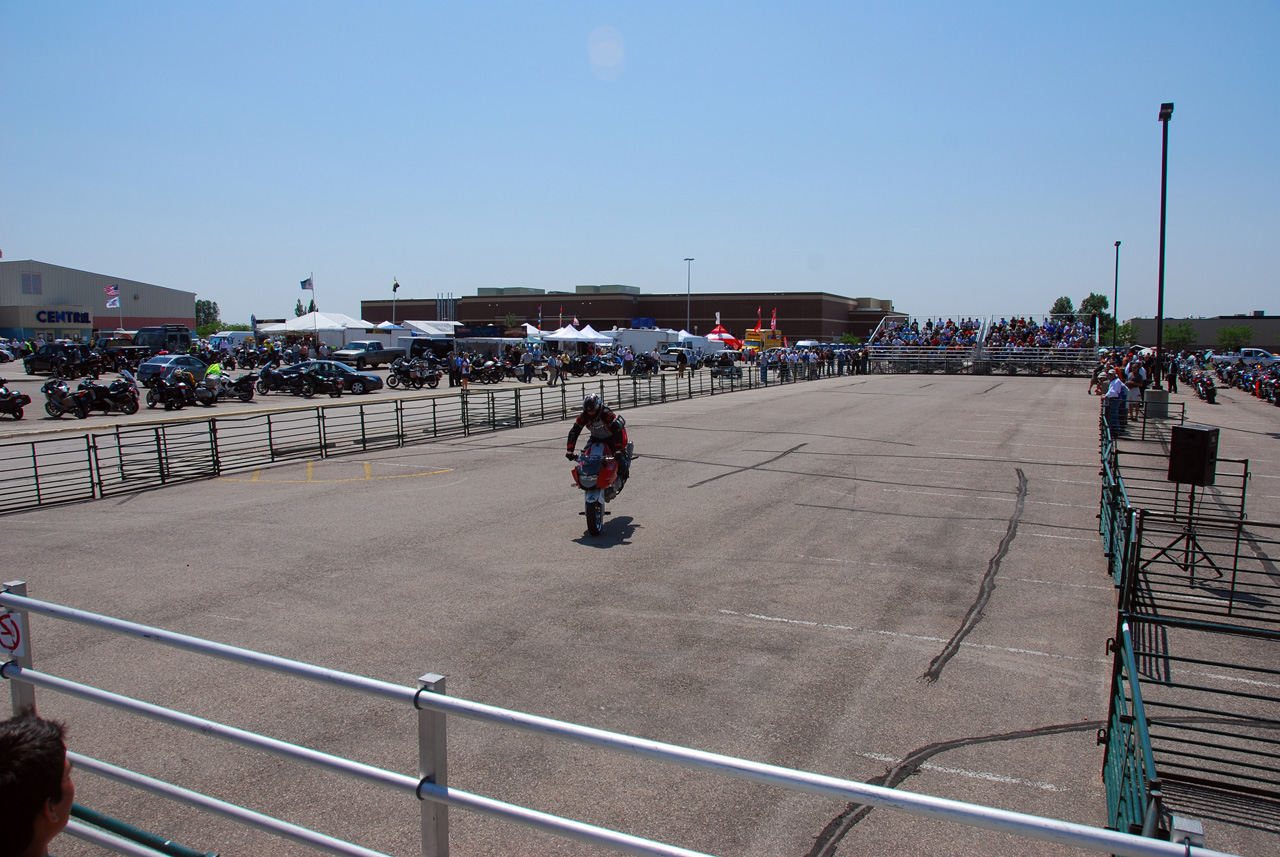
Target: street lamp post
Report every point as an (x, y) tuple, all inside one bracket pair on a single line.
[(1115, 304), (688, 300), (1166, 113)]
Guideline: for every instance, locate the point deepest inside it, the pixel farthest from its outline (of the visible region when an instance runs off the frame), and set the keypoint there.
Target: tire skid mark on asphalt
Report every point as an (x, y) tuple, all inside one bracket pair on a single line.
[(828, 840), (738, 470), (903, 635), (974, 614)]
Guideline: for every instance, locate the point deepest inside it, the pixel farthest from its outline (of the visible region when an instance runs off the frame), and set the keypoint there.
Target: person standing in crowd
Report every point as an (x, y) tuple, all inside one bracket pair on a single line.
[(36, 791), (464, 371), (526, 364), (553, 369), (1115, 398)]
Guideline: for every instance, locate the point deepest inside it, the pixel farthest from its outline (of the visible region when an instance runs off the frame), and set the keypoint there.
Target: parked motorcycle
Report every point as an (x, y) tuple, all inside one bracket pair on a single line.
[(61, 399), (241, 388), (168, 393), (120, 395), (273, 380), (11, 401), (195, 393), (1205, 388), (313, 382), (596, 473)]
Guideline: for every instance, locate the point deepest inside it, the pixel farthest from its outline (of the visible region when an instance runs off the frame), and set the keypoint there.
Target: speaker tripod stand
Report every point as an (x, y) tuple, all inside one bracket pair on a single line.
[(1192, 551)]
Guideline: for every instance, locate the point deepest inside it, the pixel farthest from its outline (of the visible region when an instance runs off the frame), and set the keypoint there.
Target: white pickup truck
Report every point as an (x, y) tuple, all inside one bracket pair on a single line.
[(365, 354), (1250, 356)]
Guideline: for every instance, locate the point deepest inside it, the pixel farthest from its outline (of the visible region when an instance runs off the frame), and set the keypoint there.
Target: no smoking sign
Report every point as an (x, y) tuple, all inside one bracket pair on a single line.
[(12, 639)]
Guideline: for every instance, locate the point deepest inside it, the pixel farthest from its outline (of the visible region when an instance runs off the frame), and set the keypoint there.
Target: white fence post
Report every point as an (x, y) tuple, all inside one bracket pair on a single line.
[(15, 644), (433, 766)]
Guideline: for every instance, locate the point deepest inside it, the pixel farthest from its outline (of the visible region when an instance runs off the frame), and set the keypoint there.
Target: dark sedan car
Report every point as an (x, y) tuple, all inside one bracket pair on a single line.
[(352, 380), (166, 364)]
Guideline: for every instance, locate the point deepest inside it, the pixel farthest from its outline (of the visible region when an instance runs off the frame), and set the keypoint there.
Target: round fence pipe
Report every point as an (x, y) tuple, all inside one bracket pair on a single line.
[(134, 834), (108, 841), (358, 770), (284, 829), (373, 687), (1004, 821)]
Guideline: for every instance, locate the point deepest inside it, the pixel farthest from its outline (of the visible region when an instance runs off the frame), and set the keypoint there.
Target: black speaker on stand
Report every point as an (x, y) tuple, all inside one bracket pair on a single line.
[(1193, 461)]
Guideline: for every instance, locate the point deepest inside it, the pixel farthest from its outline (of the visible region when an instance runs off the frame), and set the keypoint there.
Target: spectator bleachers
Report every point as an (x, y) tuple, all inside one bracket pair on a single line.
[(1042, 345)]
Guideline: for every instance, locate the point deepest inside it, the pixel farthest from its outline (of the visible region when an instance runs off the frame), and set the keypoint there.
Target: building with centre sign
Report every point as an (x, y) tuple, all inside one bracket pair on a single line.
[(40, 299)]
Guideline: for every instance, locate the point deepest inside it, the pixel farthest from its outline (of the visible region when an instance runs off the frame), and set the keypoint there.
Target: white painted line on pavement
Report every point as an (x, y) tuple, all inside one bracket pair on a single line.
[(977, 775), (921, 637)]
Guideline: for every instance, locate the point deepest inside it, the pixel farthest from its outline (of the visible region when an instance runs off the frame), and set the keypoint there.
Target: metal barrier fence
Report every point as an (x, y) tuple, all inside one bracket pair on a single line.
[(137, 457), (430, 787), (1193, 708), (981, 360)]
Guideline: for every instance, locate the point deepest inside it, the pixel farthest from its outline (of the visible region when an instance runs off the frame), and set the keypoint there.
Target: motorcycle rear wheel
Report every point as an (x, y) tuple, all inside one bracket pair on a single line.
[(17, 413), (130, 407), (595, 518), (247, 395), (82, 412), (433, 382)]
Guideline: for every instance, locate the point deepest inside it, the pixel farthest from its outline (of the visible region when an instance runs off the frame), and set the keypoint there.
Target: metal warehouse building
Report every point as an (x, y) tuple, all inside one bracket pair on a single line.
[(63, 303)]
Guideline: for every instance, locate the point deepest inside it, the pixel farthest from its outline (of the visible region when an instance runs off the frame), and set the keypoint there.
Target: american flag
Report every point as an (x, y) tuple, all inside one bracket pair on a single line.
[(113, 290)]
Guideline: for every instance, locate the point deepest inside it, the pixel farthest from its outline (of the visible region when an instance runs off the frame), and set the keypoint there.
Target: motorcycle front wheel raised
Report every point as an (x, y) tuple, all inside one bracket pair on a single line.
[(595, 518)]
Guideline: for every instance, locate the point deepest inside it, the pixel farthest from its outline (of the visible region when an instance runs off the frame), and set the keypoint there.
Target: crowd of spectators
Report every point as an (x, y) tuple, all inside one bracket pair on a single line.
[(1052, 332), (940, 334)]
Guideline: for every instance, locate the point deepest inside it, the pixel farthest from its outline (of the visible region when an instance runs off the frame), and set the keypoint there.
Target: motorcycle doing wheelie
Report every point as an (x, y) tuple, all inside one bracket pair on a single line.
[(61, 399), (11, 401), (596, 473)]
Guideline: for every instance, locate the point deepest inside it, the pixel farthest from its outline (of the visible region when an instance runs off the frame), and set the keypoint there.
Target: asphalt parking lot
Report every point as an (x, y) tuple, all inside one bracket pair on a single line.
[(878, 578)]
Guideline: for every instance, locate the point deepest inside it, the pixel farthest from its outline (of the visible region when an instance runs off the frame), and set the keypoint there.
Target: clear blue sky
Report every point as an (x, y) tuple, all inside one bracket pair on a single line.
[(953, 157)]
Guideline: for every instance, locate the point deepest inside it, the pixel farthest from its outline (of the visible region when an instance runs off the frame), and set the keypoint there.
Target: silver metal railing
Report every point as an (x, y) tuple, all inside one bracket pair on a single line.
[(431, 787)]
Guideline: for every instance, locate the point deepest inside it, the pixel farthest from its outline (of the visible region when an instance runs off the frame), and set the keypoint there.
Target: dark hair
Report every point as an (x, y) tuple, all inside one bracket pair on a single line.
[(32, 764)]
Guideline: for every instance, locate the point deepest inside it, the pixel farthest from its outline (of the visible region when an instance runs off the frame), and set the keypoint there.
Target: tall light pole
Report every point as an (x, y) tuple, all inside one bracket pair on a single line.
[(1166, 113), (1115, 304), (688, 300)]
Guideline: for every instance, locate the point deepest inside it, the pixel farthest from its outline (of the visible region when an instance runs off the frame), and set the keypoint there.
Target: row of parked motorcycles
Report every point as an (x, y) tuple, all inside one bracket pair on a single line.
[(1260, 381), (415, 373), (305, 383), (181, 389), (1199, 380), (120, 396)]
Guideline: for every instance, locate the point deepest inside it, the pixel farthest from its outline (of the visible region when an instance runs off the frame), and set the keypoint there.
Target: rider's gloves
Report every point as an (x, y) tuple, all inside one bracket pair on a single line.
[(570, 456)]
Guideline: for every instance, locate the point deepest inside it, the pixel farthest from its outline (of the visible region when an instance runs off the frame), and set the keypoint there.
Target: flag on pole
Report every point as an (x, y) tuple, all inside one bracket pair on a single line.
[(562, 315), (575, 321), (113, 303), (759, 320), (773, 324), (539, 316), (113, 290), (395, 285), (307, 286), (717, 319)]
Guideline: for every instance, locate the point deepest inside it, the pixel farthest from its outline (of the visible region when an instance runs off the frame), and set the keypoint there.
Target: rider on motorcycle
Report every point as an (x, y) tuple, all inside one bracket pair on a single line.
[(606, 426)]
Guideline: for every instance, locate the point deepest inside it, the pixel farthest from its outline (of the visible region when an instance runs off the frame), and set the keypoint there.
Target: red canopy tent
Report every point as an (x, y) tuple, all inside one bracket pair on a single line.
[(719, 334)]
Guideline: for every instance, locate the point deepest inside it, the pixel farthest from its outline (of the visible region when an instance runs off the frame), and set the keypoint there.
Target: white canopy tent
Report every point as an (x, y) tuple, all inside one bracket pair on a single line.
[(332, 328), (436, 329)]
